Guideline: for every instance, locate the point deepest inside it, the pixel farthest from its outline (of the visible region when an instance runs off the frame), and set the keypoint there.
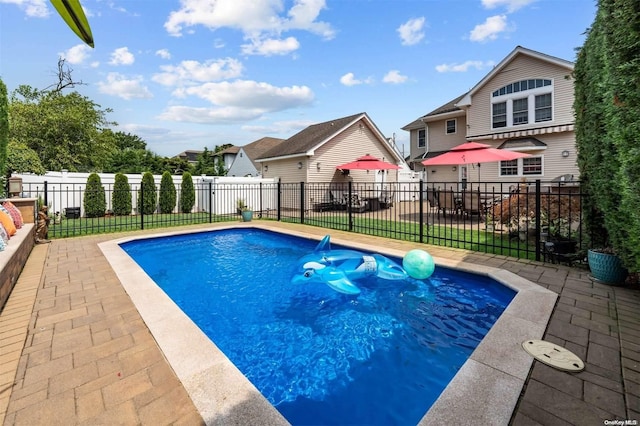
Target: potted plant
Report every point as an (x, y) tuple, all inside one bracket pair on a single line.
[(240, 206), (606, 267), (247, 214)]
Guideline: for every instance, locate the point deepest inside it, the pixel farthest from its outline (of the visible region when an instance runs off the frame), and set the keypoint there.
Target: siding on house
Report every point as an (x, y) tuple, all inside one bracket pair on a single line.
[(551, 137), (521, 68), (439, 140), (330, 144)]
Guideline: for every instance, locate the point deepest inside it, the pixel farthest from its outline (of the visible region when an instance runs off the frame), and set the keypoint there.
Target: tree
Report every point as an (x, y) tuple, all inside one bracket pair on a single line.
[(167, 193), (22, 159), (4, 132), (121, 197), (205, 164), (66, 131), (187, 193), (95, 203), (607, 105), (147, 197)]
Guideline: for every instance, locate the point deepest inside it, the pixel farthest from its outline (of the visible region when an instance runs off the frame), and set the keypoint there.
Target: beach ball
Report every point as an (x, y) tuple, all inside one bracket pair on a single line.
[(418, 264)]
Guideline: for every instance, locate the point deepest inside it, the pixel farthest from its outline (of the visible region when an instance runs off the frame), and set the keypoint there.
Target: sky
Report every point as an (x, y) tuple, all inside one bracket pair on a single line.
[(189, 74)]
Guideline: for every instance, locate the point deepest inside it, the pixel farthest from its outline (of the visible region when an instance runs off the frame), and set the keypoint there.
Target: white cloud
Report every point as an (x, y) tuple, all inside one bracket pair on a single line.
[(490, 29), (193, 72), (280, 127), (349, 79), (125, 88), (77, 54), (249, 16), (411, 32), (252, 95), (270, 47), (479, 65), (394, 77), (223, 115), (122, 56), (511, 5), (32, 8), (163, 53)]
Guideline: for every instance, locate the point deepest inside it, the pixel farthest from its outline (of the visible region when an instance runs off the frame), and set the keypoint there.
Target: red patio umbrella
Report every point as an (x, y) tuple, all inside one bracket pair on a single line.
[(473, 153), (368, 162)]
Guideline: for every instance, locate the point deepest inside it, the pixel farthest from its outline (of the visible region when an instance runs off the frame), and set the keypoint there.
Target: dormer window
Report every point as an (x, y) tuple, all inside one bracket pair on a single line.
[(522, 102)]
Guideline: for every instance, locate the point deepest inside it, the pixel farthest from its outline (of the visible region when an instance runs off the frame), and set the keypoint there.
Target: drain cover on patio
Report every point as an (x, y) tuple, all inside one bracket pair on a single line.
[(553, 355)]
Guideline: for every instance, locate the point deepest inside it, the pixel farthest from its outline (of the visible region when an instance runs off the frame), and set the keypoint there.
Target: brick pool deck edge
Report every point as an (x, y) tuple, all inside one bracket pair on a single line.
[(74, 350)]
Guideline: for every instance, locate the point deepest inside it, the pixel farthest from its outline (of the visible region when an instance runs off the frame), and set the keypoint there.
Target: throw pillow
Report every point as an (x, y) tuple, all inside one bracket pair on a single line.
[(15, 214), (8, 224)]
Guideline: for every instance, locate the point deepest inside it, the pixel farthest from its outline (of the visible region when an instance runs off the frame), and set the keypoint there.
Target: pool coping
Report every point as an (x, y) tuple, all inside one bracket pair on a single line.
[(498, 366)]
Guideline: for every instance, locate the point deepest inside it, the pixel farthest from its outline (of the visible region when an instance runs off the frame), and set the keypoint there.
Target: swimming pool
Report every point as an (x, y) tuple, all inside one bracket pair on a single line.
[(491, 365), (320, 357)]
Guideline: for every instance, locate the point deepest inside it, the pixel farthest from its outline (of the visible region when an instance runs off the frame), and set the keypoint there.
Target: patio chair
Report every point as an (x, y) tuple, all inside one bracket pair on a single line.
[(446, 201), (357, 204), (432, 198), (386, 198), (472, 204)]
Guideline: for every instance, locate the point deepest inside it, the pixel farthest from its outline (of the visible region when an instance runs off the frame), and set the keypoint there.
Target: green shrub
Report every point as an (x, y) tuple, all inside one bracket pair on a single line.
[(121, 197), (167, 193), (187, 193), (95, 203), (147, 195)]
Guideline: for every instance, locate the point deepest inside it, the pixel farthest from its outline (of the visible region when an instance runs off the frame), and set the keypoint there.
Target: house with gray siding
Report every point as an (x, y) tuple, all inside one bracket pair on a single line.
[(525, 104), (244, 163)]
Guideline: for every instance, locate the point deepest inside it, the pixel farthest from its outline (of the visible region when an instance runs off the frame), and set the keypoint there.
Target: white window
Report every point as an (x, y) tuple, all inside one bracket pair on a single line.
[(500, 114), (522, 102), (421, 138), (520, 111), (450, 126), (543, 107), (529, 166)]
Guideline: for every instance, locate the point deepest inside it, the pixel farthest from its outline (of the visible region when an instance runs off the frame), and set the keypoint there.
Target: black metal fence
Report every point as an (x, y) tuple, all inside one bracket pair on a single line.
[(536, 220)]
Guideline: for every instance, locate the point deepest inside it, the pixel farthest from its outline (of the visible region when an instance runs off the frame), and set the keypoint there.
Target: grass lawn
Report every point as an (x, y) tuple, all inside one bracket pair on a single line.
[(469, 238)]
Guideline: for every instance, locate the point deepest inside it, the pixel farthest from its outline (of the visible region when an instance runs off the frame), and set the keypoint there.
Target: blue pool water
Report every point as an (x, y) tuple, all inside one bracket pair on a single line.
[(320, 357)]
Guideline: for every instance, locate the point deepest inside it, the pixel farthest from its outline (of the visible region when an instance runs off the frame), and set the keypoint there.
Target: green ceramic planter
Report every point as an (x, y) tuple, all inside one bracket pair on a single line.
[(606, 268), (247, 215)]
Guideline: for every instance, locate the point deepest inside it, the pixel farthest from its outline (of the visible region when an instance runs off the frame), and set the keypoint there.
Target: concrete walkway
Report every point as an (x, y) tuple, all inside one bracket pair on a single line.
[(74, 350)]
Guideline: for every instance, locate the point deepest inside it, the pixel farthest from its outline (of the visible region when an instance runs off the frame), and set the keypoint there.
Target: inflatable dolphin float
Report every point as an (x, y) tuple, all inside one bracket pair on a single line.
[(338, 268)]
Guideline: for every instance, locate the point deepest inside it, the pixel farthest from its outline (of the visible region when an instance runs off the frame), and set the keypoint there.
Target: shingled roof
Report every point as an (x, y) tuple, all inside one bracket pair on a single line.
[(310, 137), (257, 148), (448, 107)]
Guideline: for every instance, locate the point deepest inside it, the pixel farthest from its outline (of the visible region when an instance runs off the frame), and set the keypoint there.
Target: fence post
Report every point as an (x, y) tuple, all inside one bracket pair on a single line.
[(349, 211), (210, 201), (46, 196), (302, 202), (278, 199), (260, 201), (141, 209), (538, 217), (421, 210)]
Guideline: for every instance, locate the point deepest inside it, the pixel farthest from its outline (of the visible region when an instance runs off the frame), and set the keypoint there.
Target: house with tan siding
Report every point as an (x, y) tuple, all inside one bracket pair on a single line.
[(313, 154), (524, 104)]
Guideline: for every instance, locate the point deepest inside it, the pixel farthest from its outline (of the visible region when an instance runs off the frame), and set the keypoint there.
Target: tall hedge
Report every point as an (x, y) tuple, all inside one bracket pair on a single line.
[(121, 197), (4, 132), (147, 195), (607, 106), (187, 193), (167, 193), (95, 203)]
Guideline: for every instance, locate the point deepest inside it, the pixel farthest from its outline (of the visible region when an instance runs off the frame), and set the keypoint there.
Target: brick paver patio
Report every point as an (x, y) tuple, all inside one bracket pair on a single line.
[(74, 350)]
